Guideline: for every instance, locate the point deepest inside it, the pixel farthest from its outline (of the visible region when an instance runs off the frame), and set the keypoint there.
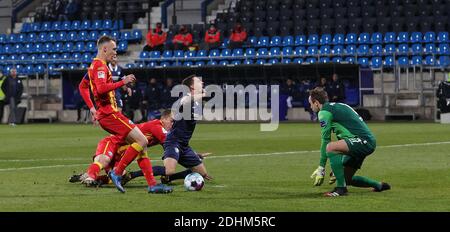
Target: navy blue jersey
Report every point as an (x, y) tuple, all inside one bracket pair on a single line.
[(183, 127)]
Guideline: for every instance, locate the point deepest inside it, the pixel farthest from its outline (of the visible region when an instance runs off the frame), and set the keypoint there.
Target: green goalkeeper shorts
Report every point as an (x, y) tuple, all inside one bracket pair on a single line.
[(359, 149)]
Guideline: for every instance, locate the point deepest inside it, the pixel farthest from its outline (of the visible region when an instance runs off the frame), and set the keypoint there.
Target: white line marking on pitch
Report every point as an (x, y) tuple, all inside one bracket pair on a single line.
[(212, 157)]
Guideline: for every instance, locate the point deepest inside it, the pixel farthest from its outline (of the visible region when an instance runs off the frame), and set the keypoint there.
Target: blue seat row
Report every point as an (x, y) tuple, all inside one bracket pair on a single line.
[(41, 68), (71, 36), (58, 47), (73, 25), (301, 51), (48, 58), (374, 62), (351, 38)]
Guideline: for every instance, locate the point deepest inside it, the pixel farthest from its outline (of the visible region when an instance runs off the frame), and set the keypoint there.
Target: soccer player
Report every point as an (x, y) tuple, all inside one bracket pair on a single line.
[(355, 142), (176, 146), (114, 122), (111, 149)]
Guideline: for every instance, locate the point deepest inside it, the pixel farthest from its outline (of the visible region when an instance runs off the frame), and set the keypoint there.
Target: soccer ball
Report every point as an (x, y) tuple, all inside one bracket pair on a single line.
[(194, 182)]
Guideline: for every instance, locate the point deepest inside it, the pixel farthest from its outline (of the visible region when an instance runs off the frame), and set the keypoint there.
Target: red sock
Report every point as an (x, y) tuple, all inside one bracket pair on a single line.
[(94, 170), (146, 167), (128, 157)]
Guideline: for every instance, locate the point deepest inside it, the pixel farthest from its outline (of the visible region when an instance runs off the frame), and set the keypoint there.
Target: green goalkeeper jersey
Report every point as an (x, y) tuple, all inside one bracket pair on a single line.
[(344, 122)]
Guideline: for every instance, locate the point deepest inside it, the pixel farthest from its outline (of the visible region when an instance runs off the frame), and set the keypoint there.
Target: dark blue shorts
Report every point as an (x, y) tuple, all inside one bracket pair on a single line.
[(185, 156)]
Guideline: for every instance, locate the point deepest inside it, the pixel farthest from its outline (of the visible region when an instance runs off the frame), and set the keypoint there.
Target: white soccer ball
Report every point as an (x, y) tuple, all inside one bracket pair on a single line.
[(194, 182)]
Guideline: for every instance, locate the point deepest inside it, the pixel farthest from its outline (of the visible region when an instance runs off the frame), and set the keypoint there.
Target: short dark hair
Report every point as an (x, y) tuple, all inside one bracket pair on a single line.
[(104, 39), (166, 113), (319, 94), (189, 81)]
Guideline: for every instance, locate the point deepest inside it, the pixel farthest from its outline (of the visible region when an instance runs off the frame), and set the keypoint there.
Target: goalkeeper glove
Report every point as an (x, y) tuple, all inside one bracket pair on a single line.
[(332, 178), (318, 176)]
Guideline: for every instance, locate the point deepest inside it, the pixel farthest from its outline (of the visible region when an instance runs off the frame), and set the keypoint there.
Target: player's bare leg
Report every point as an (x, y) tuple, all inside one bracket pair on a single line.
[(201, 169)]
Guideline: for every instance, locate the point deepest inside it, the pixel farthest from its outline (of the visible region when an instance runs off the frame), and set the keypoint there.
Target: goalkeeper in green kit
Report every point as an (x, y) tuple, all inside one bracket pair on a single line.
[(354, 142)]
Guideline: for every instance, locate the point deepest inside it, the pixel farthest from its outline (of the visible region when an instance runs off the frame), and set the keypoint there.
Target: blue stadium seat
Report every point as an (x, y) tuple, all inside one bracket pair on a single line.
[(118, 25), (66, 58), (298, 60), (443, 49), (58, 47), (12, 38), (286, 61), (29, 69), (212, 63), (48, 47), (54, 58), (377, 38), (430, 48), (363, 49), (287, 51), (263, 41), (376, 62), (311, 60), (136, 35), (115, 34), (72, 66), (363, 61), (42, 37), (288, 41), (300, 51), (273, 61), (325, 50), (2, 38), (350, 49), (338, 39), (126, 35), (275, 51), (178, 54), (250, 52), (107, 24), (66, 26), (226, 53), (76, 25), (190, 54), (403, 49), (338, 50), (390, 37), (43, 56), (31, 38), (248, 61), (223, 62), (46, 26), (416, 37), (93, 36), (300, 40), (336, 59), (103, 33), (235, 62), (430, 61), (87, 57), (325, 39), (56, 26), (252, 41), (377, 50), (91, 47), (403, 37), (200, 63), (76, 57), (83, 36), (39, 68), (313, 40), (350, 59), (71, 36), (84, 66), (225, 43), (79, 47), (144, 55), (25, 28), (22, 38), (33, 57), (122, 46), (7, 49), (188, 63), (260, 61), (403, 61), (155, 54), (214, 53), (202, 54), (96, 25), (429, 37), (167, 54), (28, 48), (324, 60), (85, 25), (442, 37), (130, 65), (238, 52), (416, 48), (351, 38), (262, 52), (68, 47), (312, 51), (444, 61), (416, 60), (38, 48), (275, 41), (52, 36), (364, 38), (36, 27), (390, 49)]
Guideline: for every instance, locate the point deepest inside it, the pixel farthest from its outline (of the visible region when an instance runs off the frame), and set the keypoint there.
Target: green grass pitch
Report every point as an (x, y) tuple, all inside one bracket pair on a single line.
[(253, 170)]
